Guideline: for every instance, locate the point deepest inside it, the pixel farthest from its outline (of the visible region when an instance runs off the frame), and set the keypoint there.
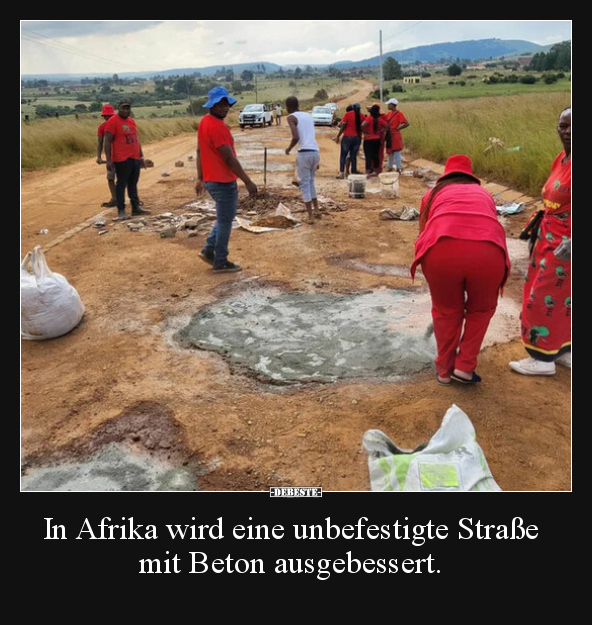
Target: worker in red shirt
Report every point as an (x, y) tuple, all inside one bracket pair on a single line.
[(217, 170), (397, 122), (463, 255), (106, 113), (124, 156)]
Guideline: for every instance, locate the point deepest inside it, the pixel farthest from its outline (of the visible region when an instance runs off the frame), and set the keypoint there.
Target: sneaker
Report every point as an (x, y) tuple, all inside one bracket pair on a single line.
[(564, 359), (227, 267), (340, 176), (207, 256), (531, 366)]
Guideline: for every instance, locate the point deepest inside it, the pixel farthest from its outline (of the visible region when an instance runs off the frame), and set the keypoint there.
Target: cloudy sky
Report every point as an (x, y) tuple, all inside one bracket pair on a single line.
[(93, 46)]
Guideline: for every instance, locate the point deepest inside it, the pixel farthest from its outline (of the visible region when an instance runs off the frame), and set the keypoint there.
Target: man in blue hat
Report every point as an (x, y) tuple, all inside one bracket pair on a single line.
[(217, 170)]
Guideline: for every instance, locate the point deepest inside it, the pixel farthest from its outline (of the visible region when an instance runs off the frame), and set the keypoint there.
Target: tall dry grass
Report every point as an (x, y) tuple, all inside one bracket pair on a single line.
[(56, 142), (528, 122)]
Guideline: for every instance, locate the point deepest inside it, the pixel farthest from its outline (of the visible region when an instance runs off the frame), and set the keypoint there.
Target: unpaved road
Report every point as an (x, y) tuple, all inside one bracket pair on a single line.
[(121, 391)]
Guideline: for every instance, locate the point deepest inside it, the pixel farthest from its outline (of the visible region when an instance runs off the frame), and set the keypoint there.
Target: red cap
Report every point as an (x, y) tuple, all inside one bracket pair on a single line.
[(107, 110), (458, 164)]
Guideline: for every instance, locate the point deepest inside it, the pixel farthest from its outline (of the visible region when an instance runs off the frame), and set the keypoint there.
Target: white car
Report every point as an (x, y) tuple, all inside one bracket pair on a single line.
[(322, 116), (332, 106), (255, 115)]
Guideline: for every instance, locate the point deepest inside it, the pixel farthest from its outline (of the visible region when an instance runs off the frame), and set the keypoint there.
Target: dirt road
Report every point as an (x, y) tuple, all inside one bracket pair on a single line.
[(123, 391)]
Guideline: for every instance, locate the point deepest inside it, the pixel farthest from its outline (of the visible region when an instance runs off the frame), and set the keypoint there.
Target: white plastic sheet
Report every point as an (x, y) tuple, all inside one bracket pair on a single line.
[(450, 461)]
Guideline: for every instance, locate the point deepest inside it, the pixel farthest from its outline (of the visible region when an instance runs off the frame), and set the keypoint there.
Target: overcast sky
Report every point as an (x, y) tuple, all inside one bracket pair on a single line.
[(93, 46)]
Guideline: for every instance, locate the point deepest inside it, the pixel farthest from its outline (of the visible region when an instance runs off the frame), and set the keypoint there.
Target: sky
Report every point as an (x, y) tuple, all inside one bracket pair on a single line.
[(121, 46)]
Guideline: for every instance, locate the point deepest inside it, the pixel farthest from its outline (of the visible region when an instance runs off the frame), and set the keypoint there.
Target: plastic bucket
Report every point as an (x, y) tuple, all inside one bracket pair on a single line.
[(389, 184), (357, 185)]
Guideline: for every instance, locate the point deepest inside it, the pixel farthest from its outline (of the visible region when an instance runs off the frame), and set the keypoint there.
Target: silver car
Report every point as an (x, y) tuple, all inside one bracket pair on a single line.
[(322, 116)]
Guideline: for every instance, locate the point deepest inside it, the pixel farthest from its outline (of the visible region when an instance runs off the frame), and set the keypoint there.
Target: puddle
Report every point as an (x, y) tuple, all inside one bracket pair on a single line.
[(291, 338)]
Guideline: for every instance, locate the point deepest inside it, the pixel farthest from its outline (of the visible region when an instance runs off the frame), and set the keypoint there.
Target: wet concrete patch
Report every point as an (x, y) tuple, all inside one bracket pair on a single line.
[(114, 468), (294, 338), (354, 263), (141, 449)]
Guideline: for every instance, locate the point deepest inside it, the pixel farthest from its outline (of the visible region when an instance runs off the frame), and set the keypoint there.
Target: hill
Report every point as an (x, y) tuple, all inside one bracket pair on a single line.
[(472, 50)]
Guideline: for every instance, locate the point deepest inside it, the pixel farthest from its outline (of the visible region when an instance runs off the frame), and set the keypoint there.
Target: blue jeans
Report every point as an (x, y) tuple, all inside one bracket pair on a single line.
[(349, 147), (391, 159), (127, 174), (225, 194)]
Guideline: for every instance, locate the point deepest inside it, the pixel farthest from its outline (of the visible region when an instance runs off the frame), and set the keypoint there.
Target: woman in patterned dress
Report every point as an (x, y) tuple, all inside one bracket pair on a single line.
[(546, 302)]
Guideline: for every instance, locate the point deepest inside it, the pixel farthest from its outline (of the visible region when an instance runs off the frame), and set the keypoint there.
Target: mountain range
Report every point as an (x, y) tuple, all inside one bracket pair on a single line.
[(472, 50)]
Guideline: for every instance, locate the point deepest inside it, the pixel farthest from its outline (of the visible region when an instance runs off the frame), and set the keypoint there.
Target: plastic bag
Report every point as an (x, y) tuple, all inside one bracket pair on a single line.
[(50, 305), (451, 460)]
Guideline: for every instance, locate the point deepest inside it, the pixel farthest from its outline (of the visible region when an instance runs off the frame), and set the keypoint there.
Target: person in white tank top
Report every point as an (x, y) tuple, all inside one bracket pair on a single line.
[(308, 156)]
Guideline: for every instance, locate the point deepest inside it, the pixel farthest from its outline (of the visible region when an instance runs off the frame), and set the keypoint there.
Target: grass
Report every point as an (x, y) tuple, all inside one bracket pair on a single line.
[(56, 142), (528, 122)]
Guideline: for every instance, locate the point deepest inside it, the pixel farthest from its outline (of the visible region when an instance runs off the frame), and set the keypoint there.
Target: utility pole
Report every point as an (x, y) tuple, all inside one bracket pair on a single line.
[(380, 74)]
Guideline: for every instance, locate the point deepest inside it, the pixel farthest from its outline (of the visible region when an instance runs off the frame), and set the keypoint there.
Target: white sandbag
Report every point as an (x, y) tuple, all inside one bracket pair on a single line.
[(50, 305), (450, 461)]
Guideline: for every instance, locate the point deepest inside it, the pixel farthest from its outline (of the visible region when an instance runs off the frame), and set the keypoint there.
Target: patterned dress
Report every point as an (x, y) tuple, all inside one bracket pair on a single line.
[(546, 302)]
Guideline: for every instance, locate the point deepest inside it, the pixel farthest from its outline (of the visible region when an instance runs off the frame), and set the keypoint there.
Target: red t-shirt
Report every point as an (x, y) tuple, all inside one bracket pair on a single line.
[(369, 132), (213, 133), (125, 143), (460, 211), (101, 128), (395, 118), (349, 120)]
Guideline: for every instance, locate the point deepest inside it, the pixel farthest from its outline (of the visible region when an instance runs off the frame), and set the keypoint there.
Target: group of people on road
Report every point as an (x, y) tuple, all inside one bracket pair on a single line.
[(117, 137), (377, 132), (461, 245)]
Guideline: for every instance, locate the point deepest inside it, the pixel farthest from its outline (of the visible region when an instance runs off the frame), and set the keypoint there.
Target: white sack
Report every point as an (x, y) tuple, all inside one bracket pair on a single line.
[(450, 461), (50, 305)]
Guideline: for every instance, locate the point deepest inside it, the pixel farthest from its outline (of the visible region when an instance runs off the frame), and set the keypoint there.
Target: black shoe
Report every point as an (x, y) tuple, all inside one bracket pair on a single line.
[(227, 267), (140, 211), (121, 216), (207, 256)]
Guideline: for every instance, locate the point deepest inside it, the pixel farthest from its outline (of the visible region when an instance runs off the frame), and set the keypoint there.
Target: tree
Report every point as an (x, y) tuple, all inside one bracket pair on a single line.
[(454, 70), (391, 69), (558, 58), (247, 75)]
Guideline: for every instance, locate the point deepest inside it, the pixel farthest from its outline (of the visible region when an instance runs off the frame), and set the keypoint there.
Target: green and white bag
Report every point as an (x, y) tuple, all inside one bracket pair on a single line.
[(450, 461)]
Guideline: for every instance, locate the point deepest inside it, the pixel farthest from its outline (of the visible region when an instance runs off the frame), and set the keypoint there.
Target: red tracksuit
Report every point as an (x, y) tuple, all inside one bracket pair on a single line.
[(463, 254)]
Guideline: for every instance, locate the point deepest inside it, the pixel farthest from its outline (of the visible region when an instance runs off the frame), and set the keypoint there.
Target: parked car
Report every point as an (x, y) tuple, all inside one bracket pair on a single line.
[(322, 116), (255, 115)]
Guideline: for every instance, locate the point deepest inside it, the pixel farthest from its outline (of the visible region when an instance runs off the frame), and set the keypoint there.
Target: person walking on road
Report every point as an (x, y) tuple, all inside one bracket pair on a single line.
[(218, 169), (463, 255), (394, 141), (278, 114), (106, 113), (545, 319), (308, 156), (123, 151)]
